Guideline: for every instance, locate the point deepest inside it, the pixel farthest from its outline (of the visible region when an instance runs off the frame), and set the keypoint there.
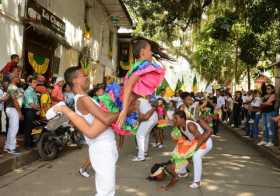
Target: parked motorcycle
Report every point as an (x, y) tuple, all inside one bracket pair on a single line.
[(54, 135)]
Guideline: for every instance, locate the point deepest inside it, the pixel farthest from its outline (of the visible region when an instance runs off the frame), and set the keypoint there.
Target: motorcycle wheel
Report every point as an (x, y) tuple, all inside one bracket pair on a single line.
[(47, 148)]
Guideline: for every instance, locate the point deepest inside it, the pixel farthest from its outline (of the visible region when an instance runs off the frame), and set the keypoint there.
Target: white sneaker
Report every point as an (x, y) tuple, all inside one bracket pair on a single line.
[(84, 173), (269, 144), (160, 146), (137, 159), (154, 145), (183, 175), (194, 185), (262, 143)]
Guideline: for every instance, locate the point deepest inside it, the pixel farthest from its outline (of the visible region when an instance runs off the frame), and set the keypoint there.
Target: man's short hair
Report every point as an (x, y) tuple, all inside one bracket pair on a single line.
[(70, 74), (14, 56)]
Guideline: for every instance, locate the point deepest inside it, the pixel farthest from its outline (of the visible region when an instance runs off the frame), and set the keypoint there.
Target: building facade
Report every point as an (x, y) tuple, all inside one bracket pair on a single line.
[(50, 35)]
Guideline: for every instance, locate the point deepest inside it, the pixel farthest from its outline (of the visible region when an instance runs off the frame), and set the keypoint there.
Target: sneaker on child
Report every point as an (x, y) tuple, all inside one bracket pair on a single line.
[(138, 159), (84, 173)]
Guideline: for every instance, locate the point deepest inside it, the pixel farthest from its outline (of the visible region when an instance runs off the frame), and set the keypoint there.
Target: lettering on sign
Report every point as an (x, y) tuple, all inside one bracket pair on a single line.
[(37, 12)]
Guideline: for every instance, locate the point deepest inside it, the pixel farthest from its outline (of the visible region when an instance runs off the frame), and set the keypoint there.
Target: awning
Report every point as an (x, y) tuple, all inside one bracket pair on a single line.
[(47, 32), (118, 9)]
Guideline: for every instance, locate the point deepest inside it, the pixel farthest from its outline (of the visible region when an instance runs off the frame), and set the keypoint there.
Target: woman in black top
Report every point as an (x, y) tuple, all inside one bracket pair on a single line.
[(268, 113)]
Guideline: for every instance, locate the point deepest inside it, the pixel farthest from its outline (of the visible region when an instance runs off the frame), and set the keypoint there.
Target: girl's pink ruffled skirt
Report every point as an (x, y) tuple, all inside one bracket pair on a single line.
[(150, 79)]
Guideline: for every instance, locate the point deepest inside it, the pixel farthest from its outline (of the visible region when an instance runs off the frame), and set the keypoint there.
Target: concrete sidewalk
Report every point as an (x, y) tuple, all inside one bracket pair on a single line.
[(11, 162), (271, 153)]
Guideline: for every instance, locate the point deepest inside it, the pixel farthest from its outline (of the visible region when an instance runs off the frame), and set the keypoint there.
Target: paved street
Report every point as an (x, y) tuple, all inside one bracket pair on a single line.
[(232, 168)]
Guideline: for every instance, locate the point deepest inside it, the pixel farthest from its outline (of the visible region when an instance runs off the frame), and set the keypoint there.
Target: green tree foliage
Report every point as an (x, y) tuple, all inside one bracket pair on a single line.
[(250, 48), (166, 16), (228, 37)]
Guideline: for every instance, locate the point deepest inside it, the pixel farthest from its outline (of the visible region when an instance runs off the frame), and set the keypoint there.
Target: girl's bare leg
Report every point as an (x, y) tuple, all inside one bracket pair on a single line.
[(157, 136), (121, 142), (161, 136), (174, 178), (86, 165)]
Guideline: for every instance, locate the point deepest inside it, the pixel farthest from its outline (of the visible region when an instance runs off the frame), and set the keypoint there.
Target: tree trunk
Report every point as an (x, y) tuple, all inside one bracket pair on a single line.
[(249, 77), (235, 67)]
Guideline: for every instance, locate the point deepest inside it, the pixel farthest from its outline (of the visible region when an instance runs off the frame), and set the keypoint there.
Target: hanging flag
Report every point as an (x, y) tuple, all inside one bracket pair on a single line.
[(38, 62), (194, 86), (169, 92), (179, 85), (162, 87)]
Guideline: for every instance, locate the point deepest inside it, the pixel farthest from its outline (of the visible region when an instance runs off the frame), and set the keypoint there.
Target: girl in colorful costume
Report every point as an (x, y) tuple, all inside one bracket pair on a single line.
[(141, 81), (162, 123)]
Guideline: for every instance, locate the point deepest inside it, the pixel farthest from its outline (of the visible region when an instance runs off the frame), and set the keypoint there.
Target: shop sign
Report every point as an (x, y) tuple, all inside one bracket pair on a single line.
[(40, 14)]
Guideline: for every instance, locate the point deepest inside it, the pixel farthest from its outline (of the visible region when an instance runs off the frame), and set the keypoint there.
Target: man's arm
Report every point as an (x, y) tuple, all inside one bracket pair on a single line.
[(86, 103), (90, 130)]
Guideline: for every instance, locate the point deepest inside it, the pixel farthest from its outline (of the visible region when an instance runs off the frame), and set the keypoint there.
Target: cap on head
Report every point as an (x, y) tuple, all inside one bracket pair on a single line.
[(59, 79)]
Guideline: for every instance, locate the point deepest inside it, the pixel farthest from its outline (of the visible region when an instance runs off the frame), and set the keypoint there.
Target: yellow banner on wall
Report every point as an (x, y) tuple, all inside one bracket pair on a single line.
[(39, 63)]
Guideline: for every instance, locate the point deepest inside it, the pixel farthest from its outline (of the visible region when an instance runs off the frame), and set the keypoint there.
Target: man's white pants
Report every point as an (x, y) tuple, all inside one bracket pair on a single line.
[(13, 116), (197, 160), (3, 122), (143, 136), (103, 157)]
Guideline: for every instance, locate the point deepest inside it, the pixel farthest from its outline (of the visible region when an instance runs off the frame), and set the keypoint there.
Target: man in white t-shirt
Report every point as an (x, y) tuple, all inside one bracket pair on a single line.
[(221, 101), (94, 123), (149, 119)]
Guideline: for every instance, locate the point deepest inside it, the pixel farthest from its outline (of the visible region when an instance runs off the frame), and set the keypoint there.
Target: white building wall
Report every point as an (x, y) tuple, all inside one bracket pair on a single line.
[(11, 30), (101, 26), (72, 13)]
